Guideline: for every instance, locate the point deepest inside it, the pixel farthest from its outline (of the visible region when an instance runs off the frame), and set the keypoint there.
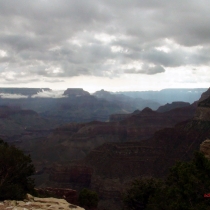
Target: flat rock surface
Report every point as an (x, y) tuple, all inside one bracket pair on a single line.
[(32, 203)]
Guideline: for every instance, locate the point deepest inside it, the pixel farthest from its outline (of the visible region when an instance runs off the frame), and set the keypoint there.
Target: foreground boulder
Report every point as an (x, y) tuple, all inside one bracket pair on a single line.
[(32, 203)]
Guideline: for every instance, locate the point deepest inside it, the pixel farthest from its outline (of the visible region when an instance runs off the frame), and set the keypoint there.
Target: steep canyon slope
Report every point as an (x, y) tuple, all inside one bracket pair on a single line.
[(76, 140), (112, 165)]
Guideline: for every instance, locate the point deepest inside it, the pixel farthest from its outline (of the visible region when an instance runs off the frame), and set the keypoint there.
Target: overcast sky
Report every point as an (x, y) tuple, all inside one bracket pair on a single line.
[(110, 44)]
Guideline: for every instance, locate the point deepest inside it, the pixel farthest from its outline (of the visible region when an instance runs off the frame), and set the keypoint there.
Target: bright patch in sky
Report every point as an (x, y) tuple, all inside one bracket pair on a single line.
[(164, 49), (106, 38), (3, 53)]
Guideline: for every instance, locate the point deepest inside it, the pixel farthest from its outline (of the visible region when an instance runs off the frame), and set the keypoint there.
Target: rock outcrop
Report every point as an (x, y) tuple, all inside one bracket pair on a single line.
[(205, 148), (33, 203), (76, 92)]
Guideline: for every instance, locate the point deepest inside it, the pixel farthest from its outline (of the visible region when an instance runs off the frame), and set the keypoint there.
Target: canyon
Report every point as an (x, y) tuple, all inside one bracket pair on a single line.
[(104, 156), (113, 165), (76, 140)]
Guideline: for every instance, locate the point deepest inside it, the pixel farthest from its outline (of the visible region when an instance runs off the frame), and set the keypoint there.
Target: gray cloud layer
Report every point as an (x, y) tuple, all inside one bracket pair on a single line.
[(52, 39)]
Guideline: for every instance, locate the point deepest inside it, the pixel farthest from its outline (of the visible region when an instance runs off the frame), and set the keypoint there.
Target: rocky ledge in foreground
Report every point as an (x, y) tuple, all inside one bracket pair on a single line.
[(33, 203)]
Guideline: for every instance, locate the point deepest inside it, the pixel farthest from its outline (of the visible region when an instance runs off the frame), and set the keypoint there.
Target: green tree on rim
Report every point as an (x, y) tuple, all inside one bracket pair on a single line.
[(88, 198), (15, 171)]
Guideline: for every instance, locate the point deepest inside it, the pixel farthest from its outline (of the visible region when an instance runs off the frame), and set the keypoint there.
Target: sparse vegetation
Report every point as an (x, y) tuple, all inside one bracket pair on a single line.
[(184, 188), (88, 198)]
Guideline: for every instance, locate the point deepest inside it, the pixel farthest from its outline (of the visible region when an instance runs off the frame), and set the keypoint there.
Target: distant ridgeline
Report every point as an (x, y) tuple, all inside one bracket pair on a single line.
[(168, 95), (23, 91)]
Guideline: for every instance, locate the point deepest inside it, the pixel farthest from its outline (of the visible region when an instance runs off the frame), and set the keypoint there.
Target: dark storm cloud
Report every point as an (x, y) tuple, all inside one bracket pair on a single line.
[(66, 38), (146, 70)]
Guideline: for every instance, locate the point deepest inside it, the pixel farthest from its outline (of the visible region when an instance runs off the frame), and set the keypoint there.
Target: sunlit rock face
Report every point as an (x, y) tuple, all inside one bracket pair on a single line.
[(205, 148)]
